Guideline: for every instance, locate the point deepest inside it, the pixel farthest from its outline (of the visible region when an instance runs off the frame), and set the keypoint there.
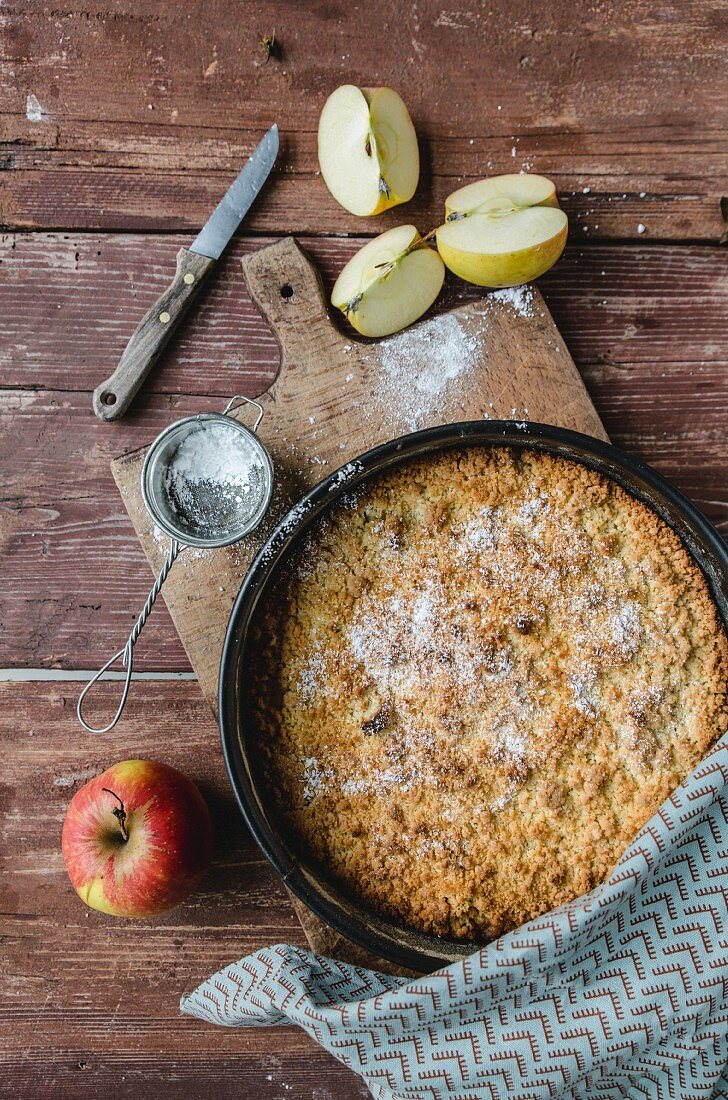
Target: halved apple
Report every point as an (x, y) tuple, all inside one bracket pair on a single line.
[(503, 231), (389, 283), (367, 149)]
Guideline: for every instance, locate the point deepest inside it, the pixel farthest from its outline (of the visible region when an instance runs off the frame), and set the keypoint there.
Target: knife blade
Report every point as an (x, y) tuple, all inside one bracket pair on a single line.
[(237, 200), (112, 398)]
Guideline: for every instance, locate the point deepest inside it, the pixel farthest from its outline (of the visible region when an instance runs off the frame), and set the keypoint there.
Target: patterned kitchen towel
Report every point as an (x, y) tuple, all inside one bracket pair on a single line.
[(623, 993)]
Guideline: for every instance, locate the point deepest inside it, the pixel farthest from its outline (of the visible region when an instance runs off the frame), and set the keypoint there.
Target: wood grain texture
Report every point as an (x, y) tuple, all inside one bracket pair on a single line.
[(329, 403), (112, 397), (136, 117), (69, 303), (646, 326), (141, 115), (89, 1003)]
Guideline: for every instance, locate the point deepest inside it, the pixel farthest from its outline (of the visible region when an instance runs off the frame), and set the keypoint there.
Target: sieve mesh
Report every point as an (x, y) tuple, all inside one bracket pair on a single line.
[(214, 482), (208, 480)]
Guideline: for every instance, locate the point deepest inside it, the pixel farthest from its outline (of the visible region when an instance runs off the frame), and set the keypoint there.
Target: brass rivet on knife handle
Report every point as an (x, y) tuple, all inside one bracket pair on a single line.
[(112, 398)]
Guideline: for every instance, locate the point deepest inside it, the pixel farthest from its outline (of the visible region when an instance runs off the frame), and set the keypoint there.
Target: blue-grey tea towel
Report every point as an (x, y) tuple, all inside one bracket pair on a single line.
[(623, 993)]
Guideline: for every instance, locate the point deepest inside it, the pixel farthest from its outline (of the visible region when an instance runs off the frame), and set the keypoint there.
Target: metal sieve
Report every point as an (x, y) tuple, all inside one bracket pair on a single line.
[(189, 499)]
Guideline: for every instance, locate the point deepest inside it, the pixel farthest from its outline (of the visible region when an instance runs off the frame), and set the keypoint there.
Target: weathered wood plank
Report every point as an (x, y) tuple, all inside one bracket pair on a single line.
[(646, 326), (57, 196), (594, 95), (89, 1003), (69, 302), (60, 512)]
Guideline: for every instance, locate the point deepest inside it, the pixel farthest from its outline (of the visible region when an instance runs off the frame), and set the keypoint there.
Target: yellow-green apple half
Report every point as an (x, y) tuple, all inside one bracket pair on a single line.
[(367, 149), (503, 231), (137, 839), (389, 283)]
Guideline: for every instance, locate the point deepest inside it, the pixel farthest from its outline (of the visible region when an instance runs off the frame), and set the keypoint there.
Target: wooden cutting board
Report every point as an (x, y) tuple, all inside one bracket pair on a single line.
[(334, 397)]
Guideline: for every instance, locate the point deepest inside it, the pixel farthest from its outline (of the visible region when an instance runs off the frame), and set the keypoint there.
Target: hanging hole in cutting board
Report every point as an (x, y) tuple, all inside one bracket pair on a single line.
[(108, 398), (286, 291)]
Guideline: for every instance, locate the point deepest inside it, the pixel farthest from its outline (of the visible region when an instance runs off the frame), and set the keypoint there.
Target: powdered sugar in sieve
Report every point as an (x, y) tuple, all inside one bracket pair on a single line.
[(214, 481)]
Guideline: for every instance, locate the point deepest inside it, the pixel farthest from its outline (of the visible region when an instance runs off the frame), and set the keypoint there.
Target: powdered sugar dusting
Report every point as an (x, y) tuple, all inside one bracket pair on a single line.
[(344, 474), (314, 777), (627, 629), (214, 480), (432, 362), (419, 365), (519, 298), (445, 635)]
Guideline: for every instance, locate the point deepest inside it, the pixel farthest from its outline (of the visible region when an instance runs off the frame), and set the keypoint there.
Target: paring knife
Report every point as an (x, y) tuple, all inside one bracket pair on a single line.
[(112, 398)]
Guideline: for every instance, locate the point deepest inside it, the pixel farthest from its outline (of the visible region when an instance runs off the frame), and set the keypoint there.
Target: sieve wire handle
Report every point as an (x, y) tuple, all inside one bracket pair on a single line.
[(247, 401), (126, 653)]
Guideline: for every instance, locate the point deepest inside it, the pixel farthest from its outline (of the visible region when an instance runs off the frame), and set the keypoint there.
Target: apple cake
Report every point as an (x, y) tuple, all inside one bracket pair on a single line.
[(478, 679)]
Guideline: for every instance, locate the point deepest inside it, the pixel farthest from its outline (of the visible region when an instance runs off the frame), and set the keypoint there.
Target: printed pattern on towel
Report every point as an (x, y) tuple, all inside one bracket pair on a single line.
[(622, 993)]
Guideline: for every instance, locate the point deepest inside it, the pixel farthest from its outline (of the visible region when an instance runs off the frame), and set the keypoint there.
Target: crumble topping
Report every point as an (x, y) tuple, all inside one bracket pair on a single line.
[(483, 674)]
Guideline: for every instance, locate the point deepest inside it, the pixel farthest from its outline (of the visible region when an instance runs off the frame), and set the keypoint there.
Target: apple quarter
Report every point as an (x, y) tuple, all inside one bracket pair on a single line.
[(389, 283)]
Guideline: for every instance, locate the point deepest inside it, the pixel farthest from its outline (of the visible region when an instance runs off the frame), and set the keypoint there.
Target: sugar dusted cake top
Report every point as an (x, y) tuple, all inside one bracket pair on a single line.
[(480, 678)]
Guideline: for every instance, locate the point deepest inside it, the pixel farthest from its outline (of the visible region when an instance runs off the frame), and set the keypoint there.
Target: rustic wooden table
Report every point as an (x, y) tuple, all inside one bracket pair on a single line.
[(121, 124)]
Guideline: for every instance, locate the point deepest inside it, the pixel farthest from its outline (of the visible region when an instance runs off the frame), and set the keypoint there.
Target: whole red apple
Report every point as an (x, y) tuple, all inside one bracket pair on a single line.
[(137, 839)]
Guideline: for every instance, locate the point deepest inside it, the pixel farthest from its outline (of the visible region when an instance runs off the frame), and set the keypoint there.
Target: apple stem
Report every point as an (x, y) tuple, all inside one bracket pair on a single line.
[(427, 236), (119, 813), (421, 242)]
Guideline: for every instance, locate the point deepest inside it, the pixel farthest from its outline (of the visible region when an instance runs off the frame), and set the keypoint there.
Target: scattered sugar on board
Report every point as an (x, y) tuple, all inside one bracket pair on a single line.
[(421, 366), (520, 298)]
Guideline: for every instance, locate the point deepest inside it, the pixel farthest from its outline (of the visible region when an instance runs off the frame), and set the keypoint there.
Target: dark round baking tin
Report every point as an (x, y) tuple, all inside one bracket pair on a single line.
[(303, 875)]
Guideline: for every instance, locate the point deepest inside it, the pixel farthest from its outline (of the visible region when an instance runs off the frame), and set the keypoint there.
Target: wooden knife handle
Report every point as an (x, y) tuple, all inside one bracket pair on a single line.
[(112, 398)]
